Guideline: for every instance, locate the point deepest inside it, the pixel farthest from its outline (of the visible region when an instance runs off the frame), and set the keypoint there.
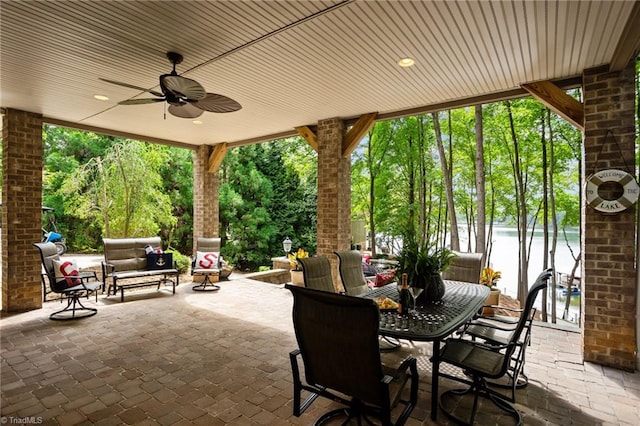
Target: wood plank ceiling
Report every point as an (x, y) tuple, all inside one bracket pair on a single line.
[(290, 63)]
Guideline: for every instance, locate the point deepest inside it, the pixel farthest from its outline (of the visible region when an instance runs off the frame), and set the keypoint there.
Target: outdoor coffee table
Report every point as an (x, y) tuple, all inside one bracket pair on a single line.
[(432, 322)]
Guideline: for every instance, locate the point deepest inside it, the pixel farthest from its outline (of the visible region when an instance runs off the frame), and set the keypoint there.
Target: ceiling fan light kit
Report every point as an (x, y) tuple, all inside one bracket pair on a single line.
[(186, 97)]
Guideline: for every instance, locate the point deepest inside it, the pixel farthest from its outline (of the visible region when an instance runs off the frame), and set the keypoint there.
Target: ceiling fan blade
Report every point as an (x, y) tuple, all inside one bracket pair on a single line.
[(131, 86), (183, 87), (185, 111), (217, 103), (141, 101)]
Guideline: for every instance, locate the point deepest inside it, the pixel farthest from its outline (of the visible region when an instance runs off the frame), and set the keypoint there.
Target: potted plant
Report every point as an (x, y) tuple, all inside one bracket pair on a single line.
[(423, 262), (296, 269), (490, 277)]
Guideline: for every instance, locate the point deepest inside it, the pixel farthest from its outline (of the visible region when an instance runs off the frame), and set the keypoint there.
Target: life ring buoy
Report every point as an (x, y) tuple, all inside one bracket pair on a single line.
[(630, 190)]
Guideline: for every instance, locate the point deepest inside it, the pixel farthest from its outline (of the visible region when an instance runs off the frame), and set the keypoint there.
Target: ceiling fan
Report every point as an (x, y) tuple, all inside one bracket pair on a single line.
[(186, 97)]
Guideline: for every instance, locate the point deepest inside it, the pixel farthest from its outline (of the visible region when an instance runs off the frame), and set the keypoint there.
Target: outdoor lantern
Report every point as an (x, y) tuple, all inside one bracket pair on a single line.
[(286, 245)]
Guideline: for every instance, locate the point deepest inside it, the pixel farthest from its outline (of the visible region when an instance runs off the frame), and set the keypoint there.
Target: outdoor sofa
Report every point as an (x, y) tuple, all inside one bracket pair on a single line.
[(125, 265)]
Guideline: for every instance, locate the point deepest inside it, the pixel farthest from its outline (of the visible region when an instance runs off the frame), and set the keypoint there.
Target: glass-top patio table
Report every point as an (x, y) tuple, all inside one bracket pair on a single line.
[(432, 322)]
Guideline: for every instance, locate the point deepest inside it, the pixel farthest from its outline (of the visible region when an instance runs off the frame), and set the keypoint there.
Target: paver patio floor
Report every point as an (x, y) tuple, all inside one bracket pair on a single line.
[(222, 358)]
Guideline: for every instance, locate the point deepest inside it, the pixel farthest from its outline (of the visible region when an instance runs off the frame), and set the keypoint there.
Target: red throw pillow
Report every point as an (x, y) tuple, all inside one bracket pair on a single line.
[(67, 272), (207, 260), (384, 278)]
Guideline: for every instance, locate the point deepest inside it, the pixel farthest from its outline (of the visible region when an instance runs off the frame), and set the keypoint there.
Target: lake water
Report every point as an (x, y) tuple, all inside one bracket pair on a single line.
[(504, 258)]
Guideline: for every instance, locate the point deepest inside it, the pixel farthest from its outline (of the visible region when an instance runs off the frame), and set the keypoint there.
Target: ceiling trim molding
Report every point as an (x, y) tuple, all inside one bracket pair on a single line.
[(629, 42), (266, 138), (116, 133), (558, 101)]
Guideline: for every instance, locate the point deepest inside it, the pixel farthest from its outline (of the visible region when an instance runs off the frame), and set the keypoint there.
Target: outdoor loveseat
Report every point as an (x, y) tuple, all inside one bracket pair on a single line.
[(125, 265)]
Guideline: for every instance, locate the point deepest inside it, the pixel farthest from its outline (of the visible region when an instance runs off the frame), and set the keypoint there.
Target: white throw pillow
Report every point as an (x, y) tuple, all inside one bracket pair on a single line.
[(66, 271), (207, 260)]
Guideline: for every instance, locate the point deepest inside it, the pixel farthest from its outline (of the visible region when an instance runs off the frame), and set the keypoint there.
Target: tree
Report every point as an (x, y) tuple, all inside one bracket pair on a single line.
[(263, 199), (480, 184), (123, 190), (448, 183)]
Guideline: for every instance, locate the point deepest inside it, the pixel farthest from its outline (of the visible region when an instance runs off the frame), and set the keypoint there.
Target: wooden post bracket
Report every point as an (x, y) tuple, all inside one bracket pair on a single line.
[(558, 101), (309, 135), (360, 128), (216, 157)]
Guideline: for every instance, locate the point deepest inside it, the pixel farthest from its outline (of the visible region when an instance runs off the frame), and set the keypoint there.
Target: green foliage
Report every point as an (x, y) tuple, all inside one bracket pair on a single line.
[(266, 196), (183, 262), (122, 190), (421, 259)]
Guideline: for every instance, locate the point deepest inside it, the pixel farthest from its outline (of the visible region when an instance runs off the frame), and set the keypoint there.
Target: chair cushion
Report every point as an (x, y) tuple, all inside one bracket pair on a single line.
[(207, 260), (66, 271)]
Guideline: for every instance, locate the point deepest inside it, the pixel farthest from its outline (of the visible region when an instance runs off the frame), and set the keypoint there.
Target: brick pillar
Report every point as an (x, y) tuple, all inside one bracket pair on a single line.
[(21, 210), (206, 217), (608, 240), (334, 192)]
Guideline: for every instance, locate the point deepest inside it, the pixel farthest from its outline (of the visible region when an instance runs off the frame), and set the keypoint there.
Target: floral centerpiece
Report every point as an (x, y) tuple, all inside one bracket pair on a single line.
[(293, 259), (489, 277)]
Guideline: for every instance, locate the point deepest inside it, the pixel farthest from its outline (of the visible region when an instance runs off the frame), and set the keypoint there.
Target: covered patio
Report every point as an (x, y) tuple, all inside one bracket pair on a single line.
[(326, 71), (222, 358)]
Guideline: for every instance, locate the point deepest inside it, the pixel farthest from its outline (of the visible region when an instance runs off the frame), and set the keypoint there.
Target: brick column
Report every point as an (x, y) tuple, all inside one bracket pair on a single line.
[(608, 240), (206, 217), (21, 210), (334, 192)]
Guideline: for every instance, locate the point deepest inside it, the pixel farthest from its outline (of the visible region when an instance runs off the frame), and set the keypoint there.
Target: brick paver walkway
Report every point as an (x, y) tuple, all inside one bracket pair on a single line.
[(222, 358)]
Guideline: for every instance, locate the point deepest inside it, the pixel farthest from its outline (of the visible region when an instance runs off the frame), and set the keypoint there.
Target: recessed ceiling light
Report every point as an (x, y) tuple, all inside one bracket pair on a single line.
[(406, 62), (197, 122), (101, 97)]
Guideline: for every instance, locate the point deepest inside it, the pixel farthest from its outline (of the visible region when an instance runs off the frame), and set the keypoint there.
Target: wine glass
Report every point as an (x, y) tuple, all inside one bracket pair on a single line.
[(415, 292)]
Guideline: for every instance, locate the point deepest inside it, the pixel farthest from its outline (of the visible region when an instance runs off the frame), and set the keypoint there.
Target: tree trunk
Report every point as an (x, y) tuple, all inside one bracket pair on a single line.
[(523, 281), (545, 217), (480, 186), (372, 201), (554, 239), (422, 189), (412, 190), (448, 184)]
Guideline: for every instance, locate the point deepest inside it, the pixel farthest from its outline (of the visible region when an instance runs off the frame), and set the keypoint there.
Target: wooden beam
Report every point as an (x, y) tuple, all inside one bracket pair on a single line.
[(308, 135), (357, 132), (558, 101), (216, 157), (564, 83), (116, 133), (629, 41)]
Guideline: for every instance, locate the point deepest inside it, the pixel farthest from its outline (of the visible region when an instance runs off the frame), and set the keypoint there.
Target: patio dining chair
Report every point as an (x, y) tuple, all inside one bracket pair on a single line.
[(317, 273), (351, 274), (65, 279), (337, 339), (497, 330), (464, 267), (355, 284), (480, 362)]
